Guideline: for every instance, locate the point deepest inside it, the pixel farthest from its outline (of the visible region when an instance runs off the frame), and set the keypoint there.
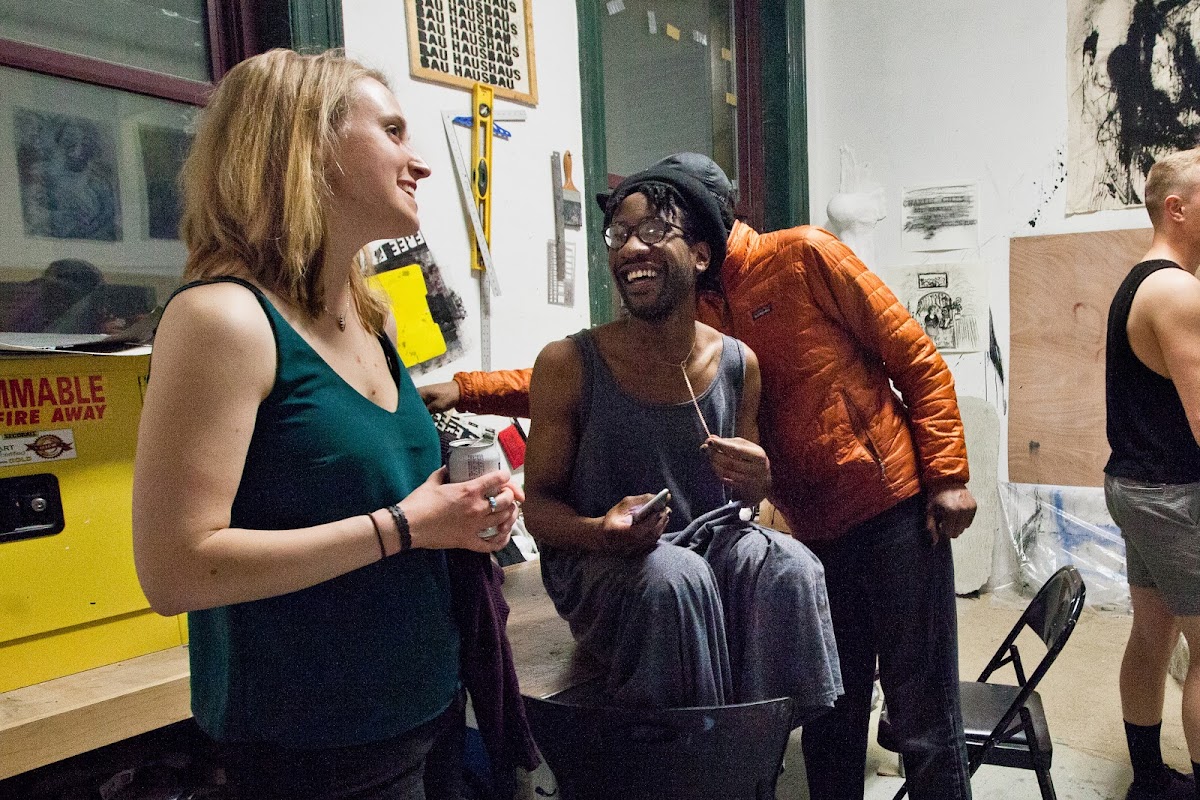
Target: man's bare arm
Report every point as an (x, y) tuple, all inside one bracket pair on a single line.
[(739, 461), (554, 397), (1164, 331)]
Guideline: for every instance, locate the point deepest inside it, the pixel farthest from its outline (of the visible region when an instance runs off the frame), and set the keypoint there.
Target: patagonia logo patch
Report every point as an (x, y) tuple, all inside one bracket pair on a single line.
[(760, 312)]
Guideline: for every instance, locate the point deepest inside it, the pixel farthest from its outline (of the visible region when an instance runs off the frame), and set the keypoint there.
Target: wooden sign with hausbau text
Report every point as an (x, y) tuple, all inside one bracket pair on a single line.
[(462, 42)]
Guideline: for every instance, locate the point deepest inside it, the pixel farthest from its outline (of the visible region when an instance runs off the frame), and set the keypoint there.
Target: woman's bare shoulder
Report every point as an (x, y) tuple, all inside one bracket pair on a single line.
[(219, 327), (215, 309)]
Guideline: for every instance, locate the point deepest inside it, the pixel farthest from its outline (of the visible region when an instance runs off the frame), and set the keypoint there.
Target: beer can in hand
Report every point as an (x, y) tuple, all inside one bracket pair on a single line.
[(469, 459)]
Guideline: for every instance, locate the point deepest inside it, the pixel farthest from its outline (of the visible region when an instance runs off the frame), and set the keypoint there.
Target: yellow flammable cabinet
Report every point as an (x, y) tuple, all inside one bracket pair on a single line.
[(69, 596)]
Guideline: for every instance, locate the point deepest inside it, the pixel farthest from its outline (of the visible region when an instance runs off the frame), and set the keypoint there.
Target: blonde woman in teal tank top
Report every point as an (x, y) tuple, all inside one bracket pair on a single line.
[(287, 490)]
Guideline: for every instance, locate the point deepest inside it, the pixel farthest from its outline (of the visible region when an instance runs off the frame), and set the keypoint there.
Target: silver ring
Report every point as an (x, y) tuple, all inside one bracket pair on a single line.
[(492, 504)]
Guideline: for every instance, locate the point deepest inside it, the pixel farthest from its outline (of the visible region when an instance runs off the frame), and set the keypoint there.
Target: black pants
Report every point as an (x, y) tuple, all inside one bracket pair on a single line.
[(891, 597), (425, 763)]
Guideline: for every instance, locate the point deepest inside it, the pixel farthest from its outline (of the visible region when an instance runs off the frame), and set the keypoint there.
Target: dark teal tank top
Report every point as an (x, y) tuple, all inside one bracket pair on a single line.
[(365, 656)]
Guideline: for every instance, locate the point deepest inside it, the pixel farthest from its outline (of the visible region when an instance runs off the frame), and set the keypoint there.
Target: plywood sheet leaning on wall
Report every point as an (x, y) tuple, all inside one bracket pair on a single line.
[(1060, 288)]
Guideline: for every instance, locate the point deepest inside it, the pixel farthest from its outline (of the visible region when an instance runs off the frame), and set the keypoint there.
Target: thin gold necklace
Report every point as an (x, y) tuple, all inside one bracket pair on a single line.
[(695, 403), (682, 365), (679, 364)]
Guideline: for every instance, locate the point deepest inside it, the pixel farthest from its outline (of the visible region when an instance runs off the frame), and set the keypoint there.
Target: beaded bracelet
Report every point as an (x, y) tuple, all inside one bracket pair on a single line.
[(401, 526)]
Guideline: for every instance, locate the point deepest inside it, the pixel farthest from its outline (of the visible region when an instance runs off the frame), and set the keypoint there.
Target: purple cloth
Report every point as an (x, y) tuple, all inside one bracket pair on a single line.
[(486, 663)]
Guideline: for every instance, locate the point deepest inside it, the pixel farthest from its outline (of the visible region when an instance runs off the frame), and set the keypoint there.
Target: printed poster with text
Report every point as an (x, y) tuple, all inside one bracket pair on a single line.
[(464, 42)]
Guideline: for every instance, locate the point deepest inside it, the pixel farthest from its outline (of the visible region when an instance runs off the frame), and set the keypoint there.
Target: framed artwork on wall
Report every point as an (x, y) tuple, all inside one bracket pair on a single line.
[(1132, 73), (163, 153), (484, 41), (67, 167)]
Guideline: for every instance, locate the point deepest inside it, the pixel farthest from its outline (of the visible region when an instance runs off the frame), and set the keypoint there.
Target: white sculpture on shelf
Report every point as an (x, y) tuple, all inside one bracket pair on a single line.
[(857, 208)]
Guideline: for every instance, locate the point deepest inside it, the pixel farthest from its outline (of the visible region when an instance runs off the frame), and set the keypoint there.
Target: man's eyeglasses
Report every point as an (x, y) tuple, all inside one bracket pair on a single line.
[(651, 230)]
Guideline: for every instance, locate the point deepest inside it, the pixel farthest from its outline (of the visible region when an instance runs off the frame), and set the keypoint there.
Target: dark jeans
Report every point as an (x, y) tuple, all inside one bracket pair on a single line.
[(425, 763), (891, 596)]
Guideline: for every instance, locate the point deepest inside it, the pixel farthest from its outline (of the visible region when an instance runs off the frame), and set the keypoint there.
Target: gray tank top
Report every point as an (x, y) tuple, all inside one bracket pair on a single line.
[(629, 447)]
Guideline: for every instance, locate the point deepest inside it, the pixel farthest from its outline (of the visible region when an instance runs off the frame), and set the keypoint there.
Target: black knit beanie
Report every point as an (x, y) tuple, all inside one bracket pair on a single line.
[(702, 209)]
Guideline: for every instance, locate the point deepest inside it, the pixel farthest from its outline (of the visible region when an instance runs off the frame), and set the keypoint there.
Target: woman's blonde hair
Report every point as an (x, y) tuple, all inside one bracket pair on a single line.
[(254, 186)]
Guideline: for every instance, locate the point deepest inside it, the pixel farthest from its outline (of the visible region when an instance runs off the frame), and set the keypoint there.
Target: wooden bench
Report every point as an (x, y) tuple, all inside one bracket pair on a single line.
[(67, 716), (544, 653)]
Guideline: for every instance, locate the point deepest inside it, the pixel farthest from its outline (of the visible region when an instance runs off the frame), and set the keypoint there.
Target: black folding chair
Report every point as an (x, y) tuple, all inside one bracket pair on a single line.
[(1005, 725), (601, 752)]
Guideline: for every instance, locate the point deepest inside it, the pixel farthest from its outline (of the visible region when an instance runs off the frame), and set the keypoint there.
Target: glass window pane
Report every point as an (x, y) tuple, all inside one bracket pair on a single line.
[(167, 36), (89, 204), (669, 82)]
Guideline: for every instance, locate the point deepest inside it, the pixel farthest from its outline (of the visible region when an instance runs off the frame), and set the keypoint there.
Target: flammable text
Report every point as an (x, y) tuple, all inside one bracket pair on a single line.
[(63, 398)]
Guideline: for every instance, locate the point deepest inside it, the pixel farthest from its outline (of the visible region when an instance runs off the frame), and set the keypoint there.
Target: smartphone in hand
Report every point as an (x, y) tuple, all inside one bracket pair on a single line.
[(656, 504)]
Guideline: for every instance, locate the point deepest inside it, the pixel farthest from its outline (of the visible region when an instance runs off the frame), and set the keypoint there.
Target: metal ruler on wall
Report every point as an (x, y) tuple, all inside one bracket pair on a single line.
[(560, 271), (469, 183)]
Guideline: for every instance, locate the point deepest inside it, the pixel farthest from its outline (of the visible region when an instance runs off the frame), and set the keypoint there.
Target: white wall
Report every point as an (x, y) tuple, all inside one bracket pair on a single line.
[(522, 203), (949, 91)]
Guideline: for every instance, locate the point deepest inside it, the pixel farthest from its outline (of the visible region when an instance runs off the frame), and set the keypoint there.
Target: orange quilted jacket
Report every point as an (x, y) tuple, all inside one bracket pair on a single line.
[(504, 392), (829, 337), (831, 341)]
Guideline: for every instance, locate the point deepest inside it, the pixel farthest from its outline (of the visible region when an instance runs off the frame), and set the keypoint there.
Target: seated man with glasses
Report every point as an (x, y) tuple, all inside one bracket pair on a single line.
[(687, 605)]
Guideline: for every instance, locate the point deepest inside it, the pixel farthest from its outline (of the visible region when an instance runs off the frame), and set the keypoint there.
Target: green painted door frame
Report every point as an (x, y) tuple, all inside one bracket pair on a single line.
[(308, 26), (595, 155), (785, 128), (785, 114)]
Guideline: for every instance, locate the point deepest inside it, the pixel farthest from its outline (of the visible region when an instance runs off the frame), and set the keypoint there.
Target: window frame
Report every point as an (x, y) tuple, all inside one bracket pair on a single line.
[(237, 29)]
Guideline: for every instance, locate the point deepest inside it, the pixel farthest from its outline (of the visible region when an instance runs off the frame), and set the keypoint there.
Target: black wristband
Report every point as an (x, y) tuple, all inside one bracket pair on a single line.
[(401, 526), (378, 537)]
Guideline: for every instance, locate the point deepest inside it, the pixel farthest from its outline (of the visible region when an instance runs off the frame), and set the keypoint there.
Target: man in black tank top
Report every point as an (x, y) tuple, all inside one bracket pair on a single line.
[(1152, 479)]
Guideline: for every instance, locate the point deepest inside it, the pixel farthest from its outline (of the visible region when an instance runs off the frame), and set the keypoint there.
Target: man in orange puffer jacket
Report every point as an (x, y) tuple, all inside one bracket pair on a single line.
[(872, 481)]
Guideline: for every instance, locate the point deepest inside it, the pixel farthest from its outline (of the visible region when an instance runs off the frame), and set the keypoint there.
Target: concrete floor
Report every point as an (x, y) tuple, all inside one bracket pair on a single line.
[(1082, 707)]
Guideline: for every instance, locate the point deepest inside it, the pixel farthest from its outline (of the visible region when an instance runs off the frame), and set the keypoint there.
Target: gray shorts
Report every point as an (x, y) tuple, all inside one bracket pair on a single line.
[(1161, 526)]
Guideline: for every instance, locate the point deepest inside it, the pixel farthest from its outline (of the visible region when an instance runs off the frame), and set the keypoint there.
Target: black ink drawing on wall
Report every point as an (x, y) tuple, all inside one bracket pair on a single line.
[(940, 217), (948, 301), (941, 315), (1133, 84), (68, 173)]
